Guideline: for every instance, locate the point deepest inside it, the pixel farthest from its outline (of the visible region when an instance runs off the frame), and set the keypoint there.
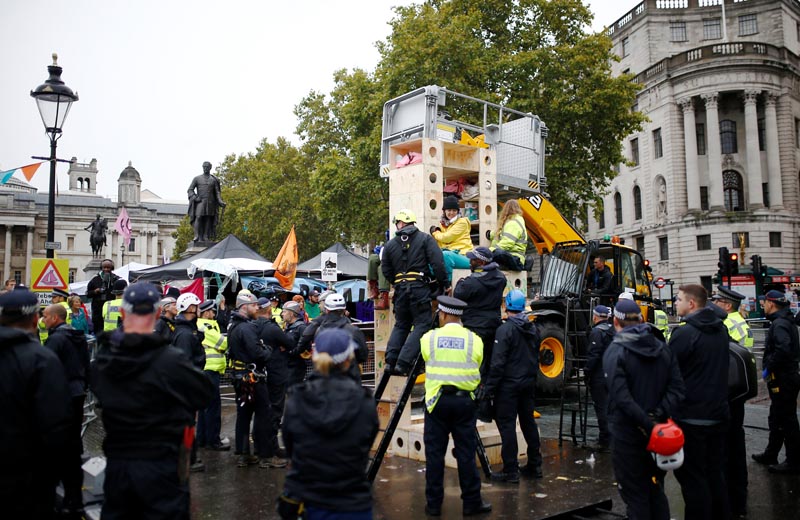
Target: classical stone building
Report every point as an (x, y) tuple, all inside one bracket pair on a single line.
[(23, 223), (718, 160)]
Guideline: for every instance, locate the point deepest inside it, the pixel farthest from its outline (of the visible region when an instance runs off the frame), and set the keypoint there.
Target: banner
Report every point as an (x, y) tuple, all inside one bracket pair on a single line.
[(29, 170), (286, 262), (123, 225)]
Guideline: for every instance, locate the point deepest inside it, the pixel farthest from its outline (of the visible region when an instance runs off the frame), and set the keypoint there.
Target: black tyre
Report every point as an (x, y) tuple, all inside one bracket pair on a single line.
[(552, 358)]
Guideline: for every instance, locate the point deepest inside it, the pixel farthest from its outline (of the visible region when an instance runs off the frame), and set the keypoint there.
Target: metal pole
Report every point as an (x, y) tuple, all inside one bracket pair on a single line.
[(51, 197)]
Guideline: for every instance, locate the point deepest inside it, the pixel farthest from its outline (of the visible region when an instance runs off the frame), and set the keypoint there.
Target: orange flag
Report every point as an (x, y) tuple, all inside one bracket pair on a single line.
[(29, 170), (286, 262)]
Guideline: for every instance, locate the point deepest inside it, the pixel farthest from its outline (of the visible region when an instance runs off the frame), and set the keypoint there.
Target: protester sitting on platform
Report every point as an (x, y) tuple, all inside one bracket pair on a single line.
[(510, 240), (453, 236)]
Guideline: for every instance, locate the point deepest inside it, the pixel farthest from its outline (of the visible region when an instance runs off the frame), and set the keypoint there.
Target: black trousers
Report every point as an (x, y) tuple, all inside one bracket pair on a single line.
[(278, 379), (599, 391), (639, 481), (783, 425), (209, 421), (412, 308), (259, 411), (71, 470), (144, 490), (511, 403), (701, 476), (453, 415), (736, 460)]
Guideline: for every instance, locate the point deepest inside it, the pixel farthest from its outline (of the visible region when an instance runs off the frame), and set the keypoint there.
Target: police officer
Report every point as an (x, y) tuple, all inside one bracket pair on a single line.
[(511, 382), (600, 337), (209, 421), (165, 326), (277, 365), (294, 328), (738, 329), (112, 315), (149, 392), (407, 263), (35, 418), (661, 321), (780, 371), (736, 454), (644, 388), (72, 350), (453, 356), (250, 356), (700, 345), (483, 292)]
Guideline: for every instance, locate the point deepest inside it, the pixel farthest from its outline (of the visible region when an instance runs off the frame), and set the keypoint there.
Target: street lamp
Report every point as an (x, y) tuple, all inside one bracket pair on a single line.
[(54, 99)]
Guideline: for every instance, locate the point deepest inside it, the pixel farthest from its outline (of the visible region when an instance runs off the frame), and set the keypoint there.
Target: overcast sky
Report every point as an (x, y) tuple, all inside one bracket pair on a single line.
[(170, 84)]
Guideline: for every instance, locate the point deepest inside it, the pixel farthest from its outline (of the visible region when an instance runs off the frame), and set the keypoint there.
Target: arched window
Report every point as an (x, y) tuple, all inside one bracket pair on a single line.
[(618, 207), (87, 185), (732, 188), (80, 183), (637, 203), (727, 136)]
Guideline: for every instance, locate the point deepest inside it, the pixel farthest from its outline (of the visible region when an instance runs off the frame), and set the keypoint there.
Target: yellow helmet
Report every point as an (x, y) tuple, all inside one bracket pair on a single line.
[(405, 215)]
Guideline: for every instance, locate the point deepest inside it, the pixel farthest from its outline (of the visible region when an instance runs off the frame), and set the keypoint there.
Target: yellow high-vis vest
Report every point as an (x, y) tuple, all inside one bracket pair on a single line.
[(112, 314), (453, 356), (739, 330), (214, 343)]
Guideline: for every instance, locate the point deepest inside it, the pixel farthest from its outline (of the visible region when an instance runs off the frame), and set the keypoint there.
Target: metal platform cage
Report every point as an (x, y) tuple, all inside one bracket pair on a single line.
[(518, 138)]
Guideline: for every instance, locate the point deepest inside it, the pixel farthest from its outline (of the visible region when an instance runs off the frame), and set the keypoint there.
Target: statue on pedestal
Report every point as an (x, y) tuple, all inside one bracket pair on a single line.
[(97, 235), (205, 199)]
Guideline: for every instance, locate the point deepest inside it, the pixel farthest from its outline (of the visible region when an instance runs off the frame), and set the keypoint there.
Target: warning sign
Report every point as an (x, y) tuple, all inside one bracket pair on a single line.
[(48, 274)]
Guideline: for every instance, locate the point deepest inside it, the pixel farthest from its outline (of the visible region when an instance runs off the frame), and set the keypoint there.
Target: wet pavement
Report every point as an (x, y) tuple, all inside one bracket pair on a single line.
[(224, 491)]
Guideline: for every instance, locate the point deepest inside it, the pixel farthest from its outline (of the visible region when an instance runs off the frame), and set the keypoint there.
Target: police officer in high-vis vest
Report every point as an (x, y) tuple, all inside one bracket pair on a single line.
[(661, 321), (453, 356), (738, 329), (111, 309), (736, 461), (215, 344)]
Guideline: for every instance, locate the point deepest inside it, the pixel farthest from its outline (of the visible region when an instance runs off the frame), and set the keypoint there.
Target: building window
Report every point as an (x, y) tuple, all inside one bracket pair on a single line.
[(765, 193), (658, 151), (703, 242), (132, 245), (637, 203), (618, 208), (41, 240), (727, 136), (18, 277), (762, 137), (774, 239), (704, 198), (700, 129), (639, 243), (663, 248), (748, 25), (600, 212), (18, 242), (712, 29), (70, 243), (626, 48), (635, 152), (72, 273), (677, 31), (737, 240), (796, 133), (797, 27), (733, 191)]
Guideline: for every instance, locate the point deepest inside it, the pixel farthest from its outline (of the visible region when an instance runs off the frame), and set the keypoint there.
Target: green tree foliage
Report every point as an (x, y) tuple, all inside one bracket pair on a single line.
[(267, 192), (183, 235), (530, 55)]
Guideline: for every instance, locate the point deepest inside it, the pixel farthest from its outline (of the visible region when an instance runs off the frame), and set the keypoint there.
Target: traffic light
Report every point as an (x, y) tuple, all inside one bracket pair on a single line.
[(733, 264), (755, 266), (724, 256), (763, 268)]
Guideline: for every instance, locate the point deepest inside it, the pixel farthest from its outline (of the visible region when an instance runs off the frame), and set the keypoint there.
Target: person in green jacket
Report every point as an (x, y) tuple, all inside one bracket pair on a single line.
[(509, 244)]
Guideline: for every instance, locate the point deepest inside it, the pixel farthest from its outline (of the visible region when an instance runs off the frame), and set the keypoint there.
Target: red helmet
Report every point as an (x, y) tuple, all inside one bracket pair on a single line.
[(666, 438)]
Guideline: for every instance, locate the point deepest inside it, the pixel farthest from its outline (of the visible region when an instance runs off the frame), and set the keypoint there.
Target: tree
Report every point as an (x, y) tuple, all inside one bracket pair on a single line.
[(266, 193), (183, 235), (530, 55)]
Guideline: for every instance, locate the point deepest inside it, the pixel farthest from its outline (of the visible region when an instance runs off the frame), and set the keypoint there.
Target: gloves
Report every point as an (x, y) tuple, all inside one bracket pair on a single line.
[(764, 374)]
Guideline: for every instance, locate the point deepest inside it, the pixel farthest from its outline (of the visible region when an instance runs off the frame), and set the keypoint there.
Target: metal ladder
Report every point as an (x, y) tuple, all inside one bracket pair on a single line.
[(577, 323), (394, 420)]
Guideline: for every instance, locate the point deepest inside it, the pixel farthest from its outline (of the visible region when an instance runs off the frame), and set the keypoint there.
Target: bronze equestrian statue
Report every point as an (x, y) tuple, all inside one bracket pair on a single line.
[(97, 235)]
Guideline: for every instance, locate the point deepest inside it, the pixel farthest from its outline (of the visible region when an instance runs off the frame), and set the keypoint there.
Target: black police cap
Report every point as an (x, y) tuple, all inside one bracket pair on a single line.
[(141, 298), (18, 303), (450, 305), (728, 294)]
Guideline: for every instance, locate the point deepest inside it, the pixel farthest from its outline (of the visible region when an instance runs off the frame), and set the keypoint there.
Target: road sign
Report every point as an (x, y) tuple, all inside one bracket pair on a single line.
[(48, 274), (52, 245), (45, 298), (660, 283)]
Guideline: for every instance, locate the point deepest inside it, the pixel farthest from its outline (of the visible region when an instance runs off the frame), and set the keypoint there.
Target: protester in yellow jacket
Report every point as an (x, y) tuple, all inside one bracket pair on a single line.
[(209, 421)]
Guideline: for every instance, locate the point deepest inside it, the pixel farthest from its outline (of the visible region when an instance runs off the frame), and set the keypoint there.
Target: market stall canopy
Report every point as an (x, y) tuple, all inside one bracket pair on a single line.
[(348, 264), (229, 248)]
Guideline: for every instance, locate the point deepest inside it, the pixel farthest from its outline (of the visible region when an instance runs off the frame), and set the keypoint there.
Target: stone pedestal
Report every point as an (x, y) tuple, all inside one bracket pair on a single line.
[(196, 247), (93, 266)]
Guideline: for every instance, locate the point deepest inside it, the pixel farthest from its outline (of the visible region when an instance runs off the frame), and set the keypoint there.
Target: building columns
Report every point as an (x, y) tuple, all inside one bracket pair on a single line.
[(28, 257), (690, 155), (7, 257), (715, 190), (754, 177), (773, 154)]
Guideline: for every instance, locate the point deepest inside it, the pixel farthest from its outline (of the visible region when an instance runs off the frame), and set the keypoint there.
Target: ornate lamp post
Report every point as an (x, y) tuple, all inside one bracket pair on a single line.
[(54, 99)]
